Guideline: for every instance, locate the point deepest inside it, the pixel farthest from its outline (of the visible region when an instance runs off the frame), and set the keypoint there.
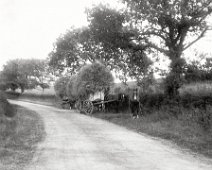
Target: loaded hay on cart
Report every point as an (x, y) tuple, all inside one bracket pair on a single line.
[(89, 86)]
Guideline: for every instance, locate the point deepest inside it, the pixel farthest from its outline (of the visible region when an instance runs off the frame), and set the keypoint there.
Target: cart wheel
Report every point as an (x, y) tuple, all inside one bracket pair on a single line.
[(88, 107)]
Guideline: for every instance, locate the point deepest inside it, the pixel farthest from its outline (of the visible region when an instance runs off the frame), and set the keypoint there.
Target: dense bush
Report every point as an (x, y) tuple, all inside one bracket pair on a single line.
[(157, 100), (3, 85), (12, 94), (197, 71), (5, 107), (199, 106), (196, 101)]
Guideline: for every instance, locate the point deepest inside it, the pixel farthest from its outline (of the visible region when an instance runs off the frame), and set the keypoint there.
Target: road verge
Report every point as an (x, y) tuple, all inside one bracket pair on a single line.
[(19, 137)]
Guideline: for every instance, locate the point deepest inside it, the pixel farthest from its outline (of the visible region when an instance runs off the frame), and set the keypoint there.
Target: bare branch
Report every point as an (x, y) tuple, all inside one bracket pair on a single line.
[(153, 33), (198, 38), (152, 45), (146, 44)]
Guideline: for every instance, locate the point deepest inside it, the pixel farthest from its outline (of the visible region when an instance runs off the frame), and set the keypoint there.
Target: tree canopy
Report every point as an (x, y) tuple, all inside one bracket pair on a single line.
[(141, 22), (75, 48), (197, 71), (150, 26), (23, 73), (124, 39)]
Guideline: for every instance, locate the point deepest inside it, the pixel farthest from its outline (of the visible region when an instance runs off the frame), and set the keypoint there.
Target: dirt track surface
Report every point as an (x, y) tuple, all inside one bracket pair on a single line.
[(78, 142)]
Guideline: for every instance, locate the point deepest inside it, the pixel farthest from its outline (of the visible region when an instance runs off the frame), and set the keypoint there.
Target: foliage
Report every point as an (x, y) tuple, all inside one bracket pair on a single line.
[(5, 107), (186, 100), (149, 26), (199, 106), (3, 85), (23, 73), (123, 39), (106, 25), (197, 72), (60, 86), (79, 46), (75, 48), (66, 51)]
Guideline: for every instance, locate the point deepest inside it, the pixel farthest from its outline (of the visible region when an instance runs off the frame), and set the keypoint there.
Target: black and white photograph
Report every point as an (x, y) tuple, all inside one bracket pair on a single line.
[(105, 84)]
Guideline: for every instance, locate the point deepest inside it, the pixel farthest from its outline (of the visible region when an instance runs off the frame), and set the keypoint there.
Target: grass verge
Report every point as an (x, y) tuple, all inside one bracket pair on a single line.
[(181, 130), (19, 137)]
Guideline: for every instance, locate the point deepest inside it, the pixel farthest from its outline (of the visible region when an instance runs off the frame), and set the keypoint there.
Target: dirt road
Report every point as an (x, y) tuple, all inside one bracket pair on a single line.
[(78, 142)]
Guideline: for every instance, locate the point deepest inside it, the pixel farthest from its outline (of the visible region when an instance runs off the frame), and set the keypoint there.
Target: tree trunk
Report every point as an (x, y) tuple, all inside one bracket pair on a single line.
[(22, 89), (175, 79)]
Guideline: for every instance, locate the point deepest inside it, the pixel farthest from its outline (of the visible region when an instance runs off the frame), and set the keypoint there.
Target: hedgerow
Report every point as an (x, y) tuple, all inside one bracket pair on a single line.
[(5, 107)]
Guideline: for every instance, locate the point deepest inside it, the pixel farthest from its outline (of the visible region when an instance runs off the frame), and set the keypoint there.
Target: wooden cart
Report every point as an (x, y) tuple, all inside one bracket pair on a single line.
[(94, 100)]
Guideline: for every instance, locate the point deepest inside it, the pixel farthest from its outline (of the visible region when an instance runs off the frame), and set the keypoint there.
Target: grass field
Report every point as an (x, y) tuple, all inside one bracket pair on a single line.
[(39, 91), (19, 137), (46, 97), (197, 88)]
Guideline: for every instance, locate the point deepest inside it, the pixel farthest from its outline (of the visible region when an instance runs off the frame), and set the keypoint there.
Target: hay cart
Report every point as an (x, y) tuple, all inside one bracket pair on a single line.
[(95, 100)]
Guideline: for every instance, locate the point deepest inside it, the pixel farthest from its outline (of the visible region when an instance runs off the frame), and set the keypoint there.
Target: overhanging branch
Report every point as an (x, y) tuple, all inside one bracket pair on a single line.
[(154, 46), (153, 33), (198, 38), (147, 44)]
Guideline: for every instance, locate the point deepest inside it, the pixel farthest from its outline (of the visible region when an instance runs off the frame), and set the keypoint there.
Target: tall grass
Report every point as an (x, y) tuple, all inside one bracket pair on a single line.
[(199, 88), (19, 137), (38, 93)]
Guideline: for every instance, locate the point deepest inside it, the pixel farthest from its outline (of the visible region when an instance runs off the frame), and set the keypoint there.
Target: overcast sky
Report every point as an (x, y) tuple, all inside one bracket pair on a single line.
[(30, 27)]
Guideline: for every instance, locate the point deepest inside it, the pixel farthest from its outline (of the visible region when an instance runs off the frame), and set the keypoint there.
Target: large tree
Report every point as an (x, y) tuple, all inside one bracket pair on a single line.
[(169, 27), (75, 48), (23, 73), (79, 46), (9, 75)]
